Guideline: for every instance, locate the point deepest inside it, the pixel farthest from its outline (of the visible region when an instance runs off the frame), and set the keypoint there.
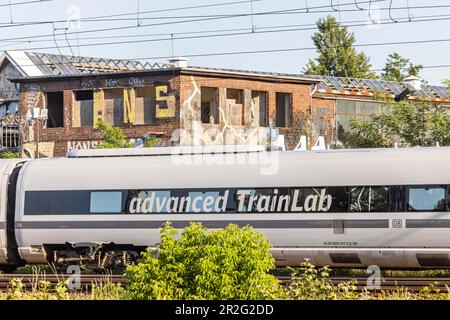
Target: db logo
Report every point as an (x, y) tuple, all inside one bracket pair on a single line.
[(397, 223)]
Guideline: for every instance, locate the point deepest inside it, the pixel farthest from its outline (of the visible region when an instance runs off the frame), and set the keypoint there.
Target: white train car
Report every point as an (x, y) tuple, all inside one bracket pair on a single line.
[(342, 208)]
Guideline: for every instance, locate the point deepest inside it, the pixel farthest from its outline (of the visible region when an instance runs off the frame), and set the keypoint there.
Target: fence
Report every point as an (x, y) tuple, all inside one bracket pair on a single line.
[(9, 132)]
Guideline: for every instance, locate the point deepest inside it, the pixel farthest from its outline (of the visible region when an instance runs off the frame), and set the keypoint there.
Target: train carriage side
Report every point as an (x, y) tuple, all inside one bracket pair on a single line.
[(9, 257), (339, 208)]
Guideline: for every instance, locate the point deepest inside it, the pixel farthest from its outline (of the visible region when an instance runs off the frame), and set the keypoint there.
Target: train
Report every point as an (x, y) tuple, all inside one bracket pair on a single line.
[(99, 209)]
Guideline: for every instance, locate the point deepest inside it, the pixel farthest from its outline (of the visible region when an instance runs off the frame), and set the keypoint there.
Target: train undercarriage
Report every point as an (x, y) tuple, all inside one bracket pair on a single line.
[(104, 257)]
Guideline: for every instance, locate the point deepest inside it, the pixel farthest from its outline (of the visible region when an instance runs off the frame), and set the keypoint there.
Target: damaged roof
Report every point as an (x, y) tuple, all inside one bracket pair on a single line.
[(34, 64), (45, 65), (368, 87)]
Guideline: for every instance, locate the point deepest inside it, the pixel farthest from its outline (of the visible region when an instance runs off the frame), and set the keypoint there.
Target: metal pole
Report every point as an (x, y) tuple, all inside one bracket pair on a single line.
[(37, 138)]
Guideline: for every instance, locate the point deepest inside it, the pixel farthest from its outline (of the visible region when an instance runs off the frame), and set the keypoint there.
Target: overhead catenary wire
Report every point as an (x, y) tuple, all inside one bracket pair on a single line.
[(204, 18), (350, 23), (99, 37), (237, 33)]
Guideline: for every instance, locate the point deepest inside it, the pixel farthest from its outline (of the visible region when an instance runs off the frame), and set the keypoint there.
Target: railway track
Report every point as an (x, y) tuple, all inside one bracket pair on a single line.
[(389, 283), (86, 281), (30, 280)]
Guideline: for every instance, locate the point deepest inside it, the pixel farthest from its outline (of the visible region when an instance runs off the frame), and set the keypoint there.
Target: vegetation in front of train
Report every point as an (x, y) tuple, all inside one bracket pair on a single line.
[(229, 263), (311, 283), (41, 289)]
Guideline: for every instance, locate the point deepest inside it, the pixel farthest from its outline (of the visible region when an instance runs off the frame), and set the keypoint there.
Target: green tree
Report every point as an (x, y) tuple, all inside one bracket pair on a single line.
[(336, 54), (398, 68), (113, 137), (410, 124), (230, 263), (446, 83)]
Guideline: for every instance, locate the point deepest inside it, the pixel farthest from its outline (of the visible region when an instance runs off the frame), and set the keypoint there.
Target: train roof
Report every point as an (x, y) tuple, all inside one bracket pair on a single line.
[(242, 169), (161, 151), (223, 149)]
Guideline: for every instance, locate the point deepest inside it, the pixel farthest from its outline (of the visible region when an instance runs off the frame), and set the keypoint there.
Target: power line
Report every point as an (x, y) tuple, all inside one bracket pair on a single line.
[(103, 17), (181, 22), (23, 3), (297, 49), (226, 34), (350, 24), (224, 16)]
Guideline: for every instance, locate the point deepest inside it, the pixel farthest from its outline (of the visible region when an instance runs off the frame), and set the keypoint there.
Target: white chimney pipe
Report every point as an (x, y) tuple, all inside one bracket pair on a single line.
[(413, 82), (179, 62)]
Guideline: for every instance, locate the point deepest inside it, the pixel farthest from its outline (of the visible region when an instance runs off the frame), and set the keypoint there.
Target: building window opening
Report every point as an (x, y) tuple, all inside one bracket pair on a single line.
[(259, 108), (234, 114), (145, 105), (283, 109), (114, 111), (83, 109), (210, 105), (55, 107)]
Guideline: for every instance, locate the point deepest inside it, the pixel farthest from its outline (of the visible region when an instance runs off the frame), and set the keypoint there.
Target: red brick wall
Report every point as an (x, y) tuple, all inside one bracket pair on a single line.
[(180, 86)]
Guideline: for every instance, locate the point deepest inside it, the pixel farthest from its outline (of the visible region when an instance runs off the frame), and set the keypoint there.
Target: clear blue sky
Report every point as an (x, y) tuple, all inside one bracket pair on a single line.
[(427, 54)]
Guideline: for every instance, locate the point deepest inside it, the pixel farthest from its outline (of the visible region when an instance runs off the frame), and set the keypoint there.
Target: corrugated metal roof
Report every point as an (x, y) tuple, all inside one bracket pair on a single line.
[(338, 84)]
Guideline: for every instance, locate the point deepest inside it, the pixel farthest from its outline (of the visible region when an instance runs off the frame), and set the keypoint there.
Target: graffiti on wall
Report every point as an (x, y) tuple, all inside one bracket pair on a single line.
[(81, 145), (136, 82), (111, 83), (165, 102), (226, 132)]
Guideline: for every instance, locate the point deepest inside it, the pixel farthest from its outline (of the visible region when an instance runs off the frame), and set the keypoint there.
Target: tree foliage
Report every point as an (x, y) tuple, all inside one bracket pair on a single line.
[(230, 263), (336, 54), (398, 68), (113, 137), (446, 83), (410, 124)]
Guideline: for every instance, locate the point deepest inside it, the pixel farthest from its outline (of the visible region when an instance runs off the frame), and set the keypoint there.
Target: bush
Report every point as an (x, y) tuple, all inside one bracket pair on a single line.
[(230, 263), (9, 155), (311, 283), (112, 137)]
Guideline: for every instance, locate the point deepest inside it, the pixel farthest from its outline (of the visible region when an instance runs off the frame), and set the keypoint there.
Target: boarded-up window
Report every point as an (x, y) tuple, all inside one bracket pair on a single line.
[(234, 112), (259, 108), (114, 107), (83, 108), (283, 109), (210, 108), (55, 107), (145, 105)]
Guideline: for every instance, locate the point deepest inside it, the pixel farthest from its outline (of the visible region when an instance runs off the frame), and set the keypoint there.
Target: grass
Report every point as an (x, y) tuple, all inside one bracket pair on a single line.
[(308, 282)]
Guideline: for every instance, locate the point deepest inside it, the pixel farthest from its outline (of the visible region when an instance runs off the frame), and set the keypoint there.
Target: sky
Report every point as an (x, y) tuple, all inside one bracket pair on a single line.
[(425, 20)]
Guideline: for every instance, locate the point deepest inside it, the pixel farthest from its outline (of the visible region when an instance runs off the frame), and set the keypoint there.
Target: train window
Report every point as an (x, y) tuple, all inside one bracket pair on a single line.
[(205, 202), (427, 199), (369, 199), (106, 202), (340, 199), (56, 202)]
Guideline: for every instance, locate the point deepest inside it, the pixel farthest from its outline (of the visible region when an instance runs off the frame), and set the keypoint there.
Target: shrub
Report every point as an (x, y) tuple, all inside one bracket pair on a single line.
[(230, 263), (9, 155), (113, 137), (311, 283)]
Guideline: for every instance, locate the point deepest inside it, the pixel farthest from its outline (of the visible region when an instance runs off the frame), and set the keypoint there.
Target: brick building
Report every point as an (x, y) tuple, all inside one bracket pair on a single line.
[(185, 105)]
